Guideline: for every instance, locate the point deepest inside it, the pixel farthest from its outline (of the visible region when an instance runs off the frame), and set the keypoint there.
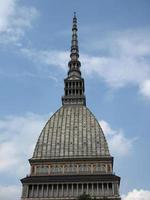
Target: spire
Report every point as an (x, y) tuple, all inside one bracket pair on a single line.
[(74, 83), (74, 55), (74, 64)]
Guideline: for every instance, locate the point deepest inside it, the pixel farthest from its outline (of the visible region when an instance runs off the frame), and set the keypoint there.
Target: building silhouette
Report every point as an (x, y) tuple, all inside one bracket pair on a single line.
[(71, 156)]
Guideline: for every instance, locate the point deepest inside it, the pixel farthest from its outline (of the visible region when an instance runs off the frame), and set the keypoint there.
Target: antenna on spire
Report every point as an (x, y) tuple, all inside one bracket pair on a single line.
[(74, 14)]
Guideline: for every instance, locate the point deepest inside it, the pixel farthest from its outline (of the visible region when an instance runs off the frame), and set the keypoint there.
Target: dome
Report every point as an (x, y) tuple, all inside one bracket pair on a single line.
[(72, 132)]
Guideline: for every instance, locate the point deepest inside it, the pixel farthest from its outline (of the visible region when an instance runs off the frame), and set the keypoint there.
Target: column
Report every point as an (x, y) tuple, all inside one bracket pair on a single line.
[(57, 191), (117, 189), (82, 188), (35, 169), (77, 189), (72, 190), (107, 190), (49, 169), (62, 190), (113, 189), (25, 191), (37, 192), (87, 188), (32, 187), (47, 191), (52, 190), (97, 190), (102, 188), (92, 189), (67, 188), (42, 192)]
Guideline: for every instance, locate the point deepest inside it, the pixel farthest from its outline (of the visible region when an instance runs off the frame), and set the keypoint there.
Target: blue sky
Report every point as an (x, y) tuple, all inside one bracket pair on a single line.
[(114, 41)]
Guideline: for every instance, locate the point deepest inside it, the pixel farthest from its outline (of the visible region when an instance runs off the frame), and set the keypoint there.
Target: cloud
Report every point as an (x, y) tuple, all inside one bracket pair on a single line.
[(10, 192), (18, 137), (137, 195), (125, 62), (118, 143), (14, 20), (145, 88), (47, 57), (126, 59)]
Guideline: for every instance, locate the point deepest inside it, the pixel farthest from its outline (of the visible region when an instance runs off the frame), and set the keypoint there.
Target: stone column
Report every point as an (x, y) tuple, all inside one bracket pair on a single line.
[(35, 169), (82, 188), (112, 189), (57, 191), (92, 189), (25, 191), (52, 190), (32, 188), (37, 191), (77, 189), (97, 190), (46, 190), (42, 193), (67, 188), (72, 190), (115, 188), (102, 188), (87, 188), (49, 169), (107, 189), (62, 190)]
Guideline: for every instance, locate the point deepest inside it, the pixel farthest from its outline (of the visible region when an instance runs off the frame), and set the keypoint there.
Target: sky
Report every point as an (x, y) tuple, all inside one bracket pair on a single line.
[(114, 43)]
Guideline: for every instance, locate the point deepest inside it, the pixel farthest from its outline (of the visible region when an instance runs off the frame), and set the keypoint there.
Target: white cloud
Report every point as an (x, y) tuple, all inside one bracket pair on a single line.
[(51, 58), (137, 195), (145, 88), (14, 20), (126, 61), (10, 192), (118, 143), (18, 137)]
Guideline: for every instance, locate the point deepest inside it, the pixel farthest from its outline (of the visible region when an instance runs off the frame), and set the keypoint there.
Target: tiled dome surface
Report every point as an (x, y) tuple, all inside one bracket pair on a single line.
[(72, 132)]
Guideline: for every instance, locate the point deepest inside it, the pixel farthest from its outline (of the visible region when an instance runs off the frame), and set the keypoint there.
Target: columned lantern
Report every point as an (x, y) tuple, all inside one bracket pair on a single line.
[(71, 156)]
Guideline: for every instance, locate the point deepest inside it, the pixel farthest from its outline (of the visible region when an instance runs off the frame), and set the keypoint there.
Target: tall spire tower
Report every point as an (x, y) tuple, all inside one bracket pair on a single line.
[(74, 83), (71, 157)]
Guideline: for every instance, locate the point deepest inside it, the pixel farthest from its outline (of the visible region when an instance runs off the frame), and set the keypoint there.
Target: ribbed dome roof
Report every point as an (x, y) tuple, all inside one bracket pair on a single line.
[(72, 132)]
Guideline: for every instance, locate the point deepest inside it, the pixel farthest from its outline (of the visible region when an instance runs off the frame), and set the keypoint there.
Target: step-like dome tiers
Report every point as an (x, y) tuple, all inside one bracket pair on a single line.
[(72, 132)]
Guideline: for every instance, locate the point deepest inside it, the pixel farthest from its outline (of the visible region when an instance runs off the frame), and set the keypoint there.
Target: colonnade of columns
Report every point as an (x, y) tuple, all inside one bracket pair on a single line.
[(70, 190)]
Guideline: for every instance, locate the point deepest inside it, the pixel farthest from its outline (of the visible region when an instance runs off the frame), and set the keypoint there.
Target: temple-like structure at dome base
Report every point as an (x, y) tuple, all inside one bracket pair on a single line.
[(71, 156)]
